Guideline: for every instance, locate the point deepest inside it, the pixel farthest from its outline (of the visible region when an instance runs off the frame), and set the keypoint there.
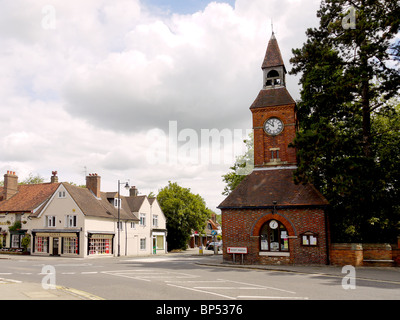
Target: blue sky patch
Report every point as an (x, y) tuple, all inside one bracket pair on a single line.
[(184, 6)]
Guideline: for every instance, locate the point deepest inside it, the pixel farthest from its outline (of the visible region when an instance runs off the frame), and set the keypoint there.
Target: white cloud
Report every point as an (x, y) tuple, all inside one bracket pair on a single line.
[(87, 92)]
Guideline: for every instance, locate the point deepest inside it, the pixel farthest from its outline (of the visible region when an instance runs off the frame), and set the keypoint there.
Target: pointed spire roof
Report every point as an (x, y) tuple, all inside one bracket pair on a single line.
[(273, 56)]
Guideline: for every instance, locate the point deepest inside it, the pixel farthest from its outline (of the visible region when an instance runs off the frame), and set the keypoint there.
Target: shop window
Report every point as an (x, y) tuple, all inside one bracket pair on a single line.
[(41, 244), (100, 246), (70, 245), (160, 242), (274, 237)]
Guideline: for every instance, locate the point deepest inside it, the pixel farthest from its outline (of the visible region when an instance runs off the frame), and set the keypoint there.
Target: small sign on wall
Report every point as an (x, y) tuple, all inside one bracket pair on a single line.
[(238, 250)]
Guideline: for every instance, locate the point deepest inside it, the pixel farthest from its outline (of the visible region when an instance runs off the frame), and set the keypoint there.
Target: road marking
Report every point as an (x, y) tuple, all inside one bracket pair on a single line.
[(2, 280), (231, 288), (149, 274), (272, 297), (260, 286), (80, 293), (202, 291)]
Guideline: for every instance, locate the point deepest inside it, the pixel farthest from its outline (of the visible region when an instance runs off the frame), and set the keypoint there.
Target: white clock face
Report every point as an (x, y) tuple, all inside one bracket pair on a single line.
[(273, 224), (273, 126)]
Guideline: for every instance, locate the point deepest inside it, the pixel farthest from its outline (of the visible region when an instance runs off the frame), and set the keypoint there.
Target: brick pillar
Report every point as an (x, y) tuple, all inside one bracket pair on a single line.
[(93, 184)]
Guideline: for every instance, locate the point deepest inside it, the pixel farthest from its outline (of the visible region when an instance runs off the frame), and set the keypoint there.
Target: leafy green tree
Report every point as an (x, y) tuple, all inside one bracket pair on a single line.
[(31, 179), (348, 77), (184, 212)]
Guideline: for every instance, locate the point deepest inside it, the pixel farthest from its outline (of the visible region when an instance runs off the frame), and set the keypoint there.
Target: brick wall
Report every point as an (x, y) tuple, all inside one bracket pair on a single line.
[(346, 254), (367, 254), (242, 228)]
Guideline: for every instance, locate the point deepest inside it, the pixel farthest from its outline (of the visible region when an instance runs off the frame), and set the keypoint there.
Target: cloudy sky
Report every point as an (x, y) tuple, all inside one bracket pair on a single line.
[(132, 89)]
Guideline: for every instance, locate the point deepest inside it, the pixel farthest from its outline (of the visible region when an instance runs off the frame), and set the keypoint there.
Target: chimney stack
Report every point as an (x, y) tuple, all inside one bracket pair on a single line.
[(133, 192), (10, 185), (93, 183), (54, 178)]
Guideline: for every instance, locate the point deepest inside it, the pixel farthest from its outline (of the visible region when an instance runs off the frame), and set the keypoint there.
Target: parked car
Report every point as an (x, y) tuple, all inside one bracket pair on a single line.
[(211, 245)]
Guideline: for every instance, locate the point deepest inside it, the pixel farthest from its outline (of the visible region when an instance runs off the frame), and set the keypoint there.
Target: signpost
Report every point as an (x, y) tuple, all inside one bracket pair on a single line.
[(214, 233), (237, 250)]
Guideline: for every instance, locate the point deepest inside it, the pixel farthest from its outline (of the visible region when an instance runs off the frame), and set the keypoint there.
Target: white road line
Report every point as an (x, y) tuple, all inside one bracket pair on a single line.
[(231, 288), (5, 273), (272, 297), (2, 280), (260, 286), (194, 281), (202, 291)]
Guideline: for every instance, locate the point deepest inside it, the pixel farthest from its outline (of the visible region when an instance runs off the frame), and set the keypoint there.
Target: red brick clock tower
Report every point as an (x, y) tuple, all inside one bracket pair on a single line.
[(275, 220)]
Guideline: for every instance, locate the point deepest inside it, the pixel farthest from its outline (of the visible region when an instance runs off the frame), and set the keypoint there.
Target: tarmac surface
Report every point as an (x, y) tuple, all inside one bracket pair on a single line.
[(17, 290)]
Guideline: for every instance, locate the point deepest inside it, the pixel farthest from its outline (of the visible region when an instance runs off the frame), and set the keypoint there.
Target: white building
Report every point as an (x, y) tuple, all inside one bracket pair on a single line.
[(83, 222)]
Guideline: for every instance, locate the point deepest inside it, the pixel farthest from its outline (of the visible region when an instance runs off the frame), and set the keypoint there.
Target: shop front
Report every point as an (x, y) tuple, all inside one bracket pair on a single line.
[(100, 244), (159, 242), (56, 243)]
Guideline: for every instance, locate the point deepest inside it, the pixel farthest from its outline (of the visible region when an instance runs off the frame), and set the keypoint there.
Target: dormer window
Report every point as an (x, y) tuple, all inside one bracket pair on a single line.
[(116, 202)]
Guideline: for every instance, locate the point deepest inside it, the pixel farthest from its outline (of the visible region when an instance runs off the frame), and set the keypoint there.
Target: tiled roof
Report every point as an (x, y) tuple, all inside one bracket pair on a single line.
[(91, 206), (135, 202), (273, 56), (262, 187), (29, 197), (272, 97)]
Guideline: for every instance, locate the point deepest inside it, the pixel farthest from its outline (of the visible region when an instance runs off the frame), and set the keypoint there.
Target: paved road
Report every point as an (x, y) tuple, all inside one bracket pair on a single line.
[(181, 277)]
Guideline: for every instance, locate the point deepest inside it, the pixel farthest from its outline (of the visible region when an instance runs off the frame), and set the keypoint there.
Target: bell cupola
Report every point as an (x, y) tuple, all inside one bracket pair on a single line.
[(274, 70)]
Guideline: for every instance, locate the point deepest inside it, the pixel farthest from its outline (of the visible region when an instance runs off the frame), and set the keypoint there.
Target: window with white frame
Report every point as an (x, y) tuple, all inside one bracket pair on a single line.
[(142, 219), (71, 221), (50, 221), (61, 194), (120, 226), (143, 244), (116, 202), (155, 220)]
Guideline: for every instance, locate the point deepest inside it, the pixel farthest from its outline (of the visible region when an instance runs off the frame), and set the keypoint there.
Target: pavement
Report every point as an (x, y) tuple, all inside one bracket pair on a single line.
[(17, 290)]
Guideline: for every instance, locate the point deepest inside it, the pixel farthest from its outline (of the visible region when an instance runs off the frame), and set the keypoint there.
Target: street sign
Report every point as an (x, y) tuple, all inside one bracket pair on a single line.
[(214, 232), (239, 250)]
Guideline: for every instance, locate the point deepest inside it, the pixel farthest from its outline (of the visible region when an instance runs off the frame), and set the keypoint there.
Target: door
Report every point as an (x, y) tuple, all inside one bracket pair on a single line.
[(55, 246)]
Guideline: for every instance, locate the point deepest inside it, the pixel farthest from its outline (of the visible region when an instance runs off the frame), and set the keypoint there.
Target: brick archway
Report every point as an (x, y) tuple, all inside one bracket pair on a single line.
[(276, 216)]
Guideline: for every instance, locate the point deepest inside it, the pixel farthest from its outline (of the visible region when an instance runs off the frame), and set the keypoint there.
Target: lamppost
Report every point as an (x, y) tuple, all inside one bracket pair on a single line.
[(119, 209)]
